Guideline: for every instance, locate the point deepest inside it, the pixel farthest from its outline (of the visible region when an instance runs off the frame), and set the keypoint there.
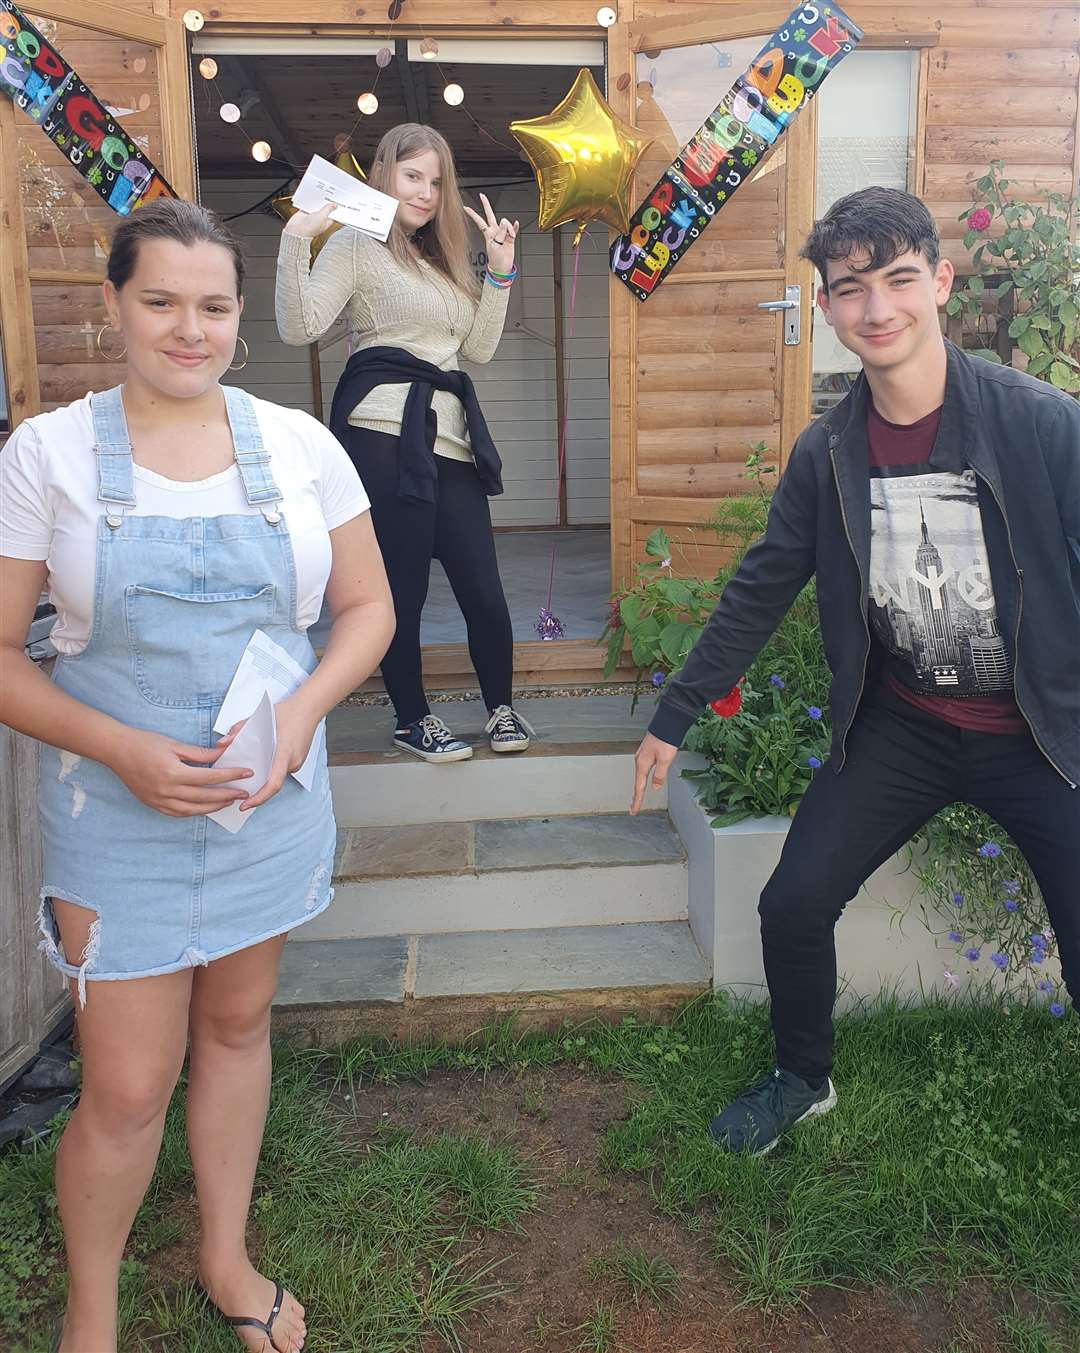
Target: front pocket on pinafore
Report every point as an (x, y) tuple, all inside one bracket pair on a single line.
[(186, 645)]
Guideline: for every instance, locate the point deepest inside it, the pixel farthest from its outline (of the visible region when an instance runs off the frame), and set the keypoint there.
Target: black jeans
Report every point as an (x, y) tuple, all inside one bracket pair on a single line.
[(902, 767), (456, 530)]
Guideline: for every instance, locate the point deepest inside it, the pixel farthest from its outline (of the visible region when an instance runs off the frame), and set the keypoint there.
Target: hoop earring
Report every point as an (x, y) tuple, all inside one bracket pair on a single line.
[(247, 354), (119, 356)]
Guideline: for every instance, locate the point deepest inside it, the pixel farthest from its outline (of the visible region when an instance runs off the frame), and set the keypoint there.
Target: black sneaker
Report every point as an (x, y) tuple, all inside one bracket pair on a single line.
[(755, 1120), (431, 740), (508, 731)]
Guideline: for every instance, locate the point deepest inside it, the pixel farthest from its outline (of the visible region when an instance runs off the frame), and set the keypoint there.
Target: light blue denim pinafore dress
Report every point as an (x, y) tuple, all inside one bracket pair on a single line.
[(175, 603)]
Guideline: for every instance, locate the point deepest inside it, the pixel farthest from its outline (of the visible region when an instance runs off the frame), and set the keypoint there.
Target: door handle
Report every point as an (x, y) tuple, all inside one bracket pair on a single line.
[(791, 308)]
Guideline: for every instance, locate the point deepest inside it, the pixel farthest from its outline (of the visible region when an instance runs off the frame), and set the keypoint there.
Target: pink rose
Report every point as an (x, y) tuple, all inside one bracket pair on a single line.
[(979, 219)]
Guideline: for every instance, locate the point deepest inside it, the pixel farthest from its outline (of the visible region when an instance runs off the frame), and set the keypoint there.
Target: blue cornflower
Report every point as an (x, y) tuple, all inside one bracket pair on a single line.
[(1036, 956), (776, 681), (813, 762), (1038, 940), (658, 678), (1011, 904), (958, 899), (1057, 1009), (972, 955), (1046, 985), (1000, 961), (989, 850), (955, 936), (814, 712), (1012, 885)]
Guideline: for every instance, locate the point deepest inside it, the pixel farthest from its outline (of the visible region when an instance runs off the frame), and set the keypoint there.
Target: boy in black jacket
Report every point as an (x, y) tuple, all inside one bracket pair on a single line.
[(939, 507)]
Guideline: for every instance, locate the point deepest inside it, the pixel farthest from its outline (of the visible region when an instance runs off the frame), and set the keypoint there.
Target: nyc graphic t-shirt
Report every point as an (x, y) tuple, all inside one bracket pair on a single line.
[(931, 604)]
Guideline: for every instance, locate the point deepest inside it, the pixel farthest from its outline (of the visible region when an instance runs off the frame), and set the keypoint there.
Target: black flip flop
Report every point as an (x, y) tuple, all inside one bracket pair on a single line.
[(263, 1326)]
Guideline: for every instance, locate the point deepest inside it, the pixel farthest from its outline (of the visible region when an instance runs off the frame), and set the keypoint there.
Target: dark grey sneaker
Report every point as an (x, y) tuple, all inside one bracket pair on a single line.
[(508, 731), (755, 1121), (431, 740)]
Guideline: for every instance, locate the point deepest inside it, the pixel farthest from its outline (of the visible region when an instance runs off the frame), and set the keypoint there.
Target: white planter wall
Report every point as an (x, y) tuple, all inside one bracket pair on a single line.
[(729, 866)]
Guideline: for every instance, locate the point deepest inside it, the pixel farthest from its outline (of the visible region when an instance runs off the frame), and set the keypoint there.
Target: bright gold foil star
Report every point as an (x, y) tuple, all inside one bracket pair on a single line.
[(584, 156)]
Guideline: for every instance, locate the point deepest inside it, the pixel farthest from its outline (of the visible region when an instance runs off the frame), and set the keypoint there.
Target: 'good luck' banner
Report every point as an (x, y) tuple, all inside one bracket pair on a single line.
[(723, 153), (37, 78)]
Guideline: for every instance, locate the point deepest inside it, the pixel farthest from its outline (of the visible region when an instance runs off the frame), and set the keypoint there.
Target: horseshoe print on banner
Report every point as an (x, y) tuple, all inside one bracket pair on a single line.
[(725, 151), (38, 79)]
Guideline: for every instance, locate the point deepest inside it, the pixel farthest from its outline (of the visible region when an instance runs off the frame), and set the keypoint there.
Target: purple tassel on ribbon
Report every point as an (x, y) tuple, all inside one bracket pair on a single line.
[(549, 626)]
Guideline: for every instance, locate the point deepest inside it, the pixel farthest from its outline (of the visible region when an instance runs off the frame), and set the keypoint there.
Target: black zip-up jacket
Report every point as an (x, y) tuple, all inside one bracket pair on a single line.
[(1021, 437)]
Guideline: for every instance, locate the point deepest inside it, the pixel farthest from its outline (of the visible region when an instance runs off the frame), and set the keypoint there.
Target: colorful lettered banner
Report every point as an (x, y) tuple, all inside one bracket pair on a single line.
[(38, 79), (724, 152)]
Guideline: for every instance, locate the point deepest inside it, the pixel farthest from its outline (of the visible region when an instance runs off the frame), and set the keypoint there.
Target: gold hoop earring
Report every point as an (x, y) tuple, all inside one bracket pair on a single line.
[(247, 354), (119, 356)]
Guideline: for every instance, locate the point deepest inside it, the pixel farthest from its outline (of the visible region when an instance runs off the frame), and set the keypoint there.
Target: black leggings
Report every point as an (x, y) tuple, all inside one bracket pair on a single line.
[(456, 530), (903, 765)]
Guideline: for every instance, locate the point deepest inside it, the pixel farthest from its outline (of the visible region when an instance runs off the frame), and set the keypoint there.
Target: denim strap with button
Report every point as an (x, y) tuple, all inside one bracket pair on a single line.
[(251, 456), (112, 446)]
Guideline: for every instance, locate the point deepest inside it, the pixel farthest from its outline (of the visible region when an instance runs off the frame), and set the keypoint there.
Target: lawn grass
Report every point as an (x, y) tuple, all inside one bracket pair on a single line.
[(953, 1156)]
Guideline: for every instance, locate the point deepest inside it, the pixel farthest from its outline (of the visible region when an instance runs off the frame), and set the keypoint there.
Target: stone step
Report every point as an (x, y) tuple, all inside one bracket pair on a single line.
[(504, 874), (581, 761), (449, 985)]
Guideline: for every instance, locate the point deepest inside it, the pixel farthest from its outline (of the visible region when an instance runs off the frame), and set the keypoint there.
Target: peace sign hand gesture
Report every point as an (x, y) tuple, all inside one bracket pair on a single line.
[(499, 237)]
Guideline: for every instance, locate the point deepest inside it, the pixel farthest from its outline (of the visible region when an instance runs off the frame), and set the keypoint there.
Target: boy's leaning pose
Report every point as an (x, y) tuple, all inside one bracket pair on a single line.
[(939, 507)]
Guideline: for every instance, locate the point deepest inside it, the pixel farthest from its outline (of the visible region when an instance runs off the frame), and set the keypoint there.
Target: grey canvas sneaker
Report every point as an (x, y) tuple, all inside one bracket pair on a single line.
[(756, 1119), (508, 731)]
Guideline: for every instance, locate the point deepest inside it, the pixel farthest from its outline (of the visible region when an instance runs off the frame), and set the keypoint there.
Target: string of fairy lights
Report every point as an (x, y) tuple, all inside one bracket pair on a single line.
[(367, 101)]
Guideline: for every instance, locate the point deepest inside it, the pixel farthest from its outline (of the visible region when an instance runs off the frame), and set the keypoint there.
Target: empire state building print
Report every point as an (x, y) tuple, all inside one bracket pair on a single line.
[(931, 600)]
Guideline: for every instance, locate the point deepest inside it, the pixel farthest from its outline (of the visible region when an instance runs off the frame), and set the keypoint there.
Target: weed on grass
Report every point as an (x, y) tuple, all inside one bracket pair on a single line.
[(598, 1330)]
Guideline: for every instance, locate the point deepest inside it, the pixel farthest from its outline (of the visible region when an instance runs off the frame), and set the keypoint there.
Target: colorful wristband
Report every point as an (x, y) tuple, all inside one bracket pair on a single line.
[(502, 276)]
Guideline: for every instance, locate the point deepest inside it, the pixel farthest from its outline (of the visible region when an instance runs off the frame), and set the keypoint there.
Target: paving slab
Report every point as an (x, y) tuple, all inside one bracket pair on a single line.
[(329, 972), (561, 959), (563, 842), (407, 852)]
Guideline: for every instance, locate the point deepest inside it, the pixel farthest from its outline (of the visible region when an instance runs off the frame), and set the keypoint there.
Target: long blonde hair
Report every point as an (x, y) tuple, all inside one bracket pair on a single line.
[(443, 242)]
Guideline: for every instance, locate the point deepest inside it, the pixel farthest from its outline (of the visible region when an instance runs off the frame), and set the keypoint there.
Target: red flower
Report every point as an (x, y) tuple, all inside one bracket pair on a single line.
[(979, 219), (730, 704)]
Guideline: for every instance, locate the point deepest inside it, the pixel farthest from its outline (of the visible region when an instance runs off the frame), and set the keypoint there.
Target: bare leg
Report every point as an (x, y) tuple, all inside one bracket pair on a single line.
[(133, 1036), (228, 1093)]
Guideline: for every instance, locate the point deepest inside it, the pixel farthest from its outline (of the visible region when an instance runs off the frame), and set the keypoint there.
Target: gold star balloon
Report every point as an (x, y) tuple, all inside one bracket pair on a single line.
[(584, 156), (283, 206)]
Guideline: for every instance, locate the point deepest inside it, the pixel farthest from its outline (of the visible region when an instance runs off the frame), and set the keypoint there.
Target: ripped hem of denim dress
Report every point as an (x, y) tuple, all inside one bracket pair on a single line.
[(86, 971)]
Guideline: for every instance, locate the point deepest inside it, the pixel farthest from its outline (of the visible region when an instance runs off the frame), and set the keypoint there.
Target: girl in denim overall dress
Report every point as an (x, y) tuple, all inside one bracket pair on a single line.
[(170, 518)]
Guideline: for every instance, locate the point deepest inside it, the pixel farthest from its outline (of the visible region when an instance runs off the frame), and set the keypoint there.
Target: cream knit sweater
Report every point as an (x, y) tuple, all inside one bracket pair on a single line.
[(393, 306)]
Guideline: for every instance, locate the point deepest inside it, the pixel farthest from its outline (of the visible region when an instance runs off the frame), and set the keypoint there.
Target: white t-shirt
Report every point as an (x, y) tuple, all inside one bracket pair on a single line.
[(49, 507)]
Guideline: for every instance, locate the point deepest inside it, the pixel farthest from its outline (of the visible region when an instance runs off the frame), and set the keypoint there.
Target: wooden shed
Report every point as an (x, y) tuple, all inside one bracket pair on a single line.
[(672, 392)]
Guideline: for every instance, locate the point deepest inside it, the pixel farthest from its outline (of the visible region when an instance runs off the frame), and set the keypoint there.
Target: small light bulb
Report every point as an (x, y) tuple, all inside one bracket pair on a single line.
[(193, 20), (454, 94), (261, 151), (208, 68), (368, 103), (606, 16), (429, 49), (229, 112)]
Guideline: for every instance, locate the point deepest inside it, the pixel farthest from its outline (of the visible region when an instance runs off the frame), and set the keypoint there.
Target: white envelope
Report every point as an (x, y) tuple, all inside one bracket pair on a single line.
[(355, 203), (252, 749)]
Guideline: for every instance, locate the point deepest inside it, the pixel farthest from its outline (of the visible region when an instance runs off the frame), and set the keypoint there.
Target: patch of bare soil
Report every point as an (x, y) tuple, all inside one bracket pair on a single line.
[(556, 1120)]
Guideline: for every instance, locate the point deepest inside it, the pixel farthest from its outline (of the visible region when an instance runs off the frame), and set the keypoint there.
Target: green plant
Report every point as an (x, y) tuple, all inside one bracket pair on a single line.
[(1039, 254), (980, 892)]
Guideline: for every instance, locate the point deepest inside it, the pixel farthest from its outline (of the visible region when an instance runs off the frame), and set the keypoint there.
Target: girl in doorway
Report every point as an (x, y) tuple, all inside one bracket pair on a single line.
[(170, 518), (410, 419)]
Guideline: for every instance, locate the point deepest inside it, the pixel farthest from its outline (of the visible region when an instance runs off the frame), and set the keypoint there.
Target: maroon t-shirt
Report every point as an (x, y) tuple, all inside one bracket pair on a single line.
[(931, 605)]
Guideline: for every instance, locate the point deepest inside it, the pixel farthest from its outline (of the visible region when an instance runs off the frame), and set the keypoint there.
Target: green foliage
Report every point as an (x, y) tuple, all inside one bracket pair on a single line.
[(1039, 254)]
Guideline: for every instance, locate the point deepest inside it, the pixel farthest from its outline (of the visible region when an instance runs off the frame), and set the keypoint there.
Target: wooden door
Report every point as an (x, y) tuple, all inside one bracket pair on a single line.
[(56, 227), (700, 374)]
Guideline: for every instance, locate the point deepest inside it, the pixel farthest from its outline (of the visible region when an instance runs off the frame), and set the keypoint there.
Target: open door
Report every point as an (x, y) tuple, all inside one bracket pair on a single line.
[(56, 228), (709, 365)]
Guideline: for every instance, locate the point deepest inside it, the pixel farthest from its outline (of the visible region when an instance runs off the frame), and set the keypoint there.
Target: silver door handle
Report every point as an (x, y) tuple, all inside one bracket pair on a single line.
[(791, 307)]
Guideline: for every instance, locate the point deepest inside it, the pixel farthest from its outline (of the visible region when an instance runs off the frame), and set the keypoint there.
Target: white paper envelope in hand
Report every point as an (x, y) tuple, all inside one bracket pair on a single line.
[(252, 749), (356, 204)]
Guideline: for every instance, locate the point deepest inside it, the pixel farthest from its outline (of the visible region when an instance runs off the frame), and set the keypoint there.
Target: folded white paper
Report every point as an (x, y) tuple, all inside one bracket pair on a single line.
[(267, 668), (253, 749), (355, 203)]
